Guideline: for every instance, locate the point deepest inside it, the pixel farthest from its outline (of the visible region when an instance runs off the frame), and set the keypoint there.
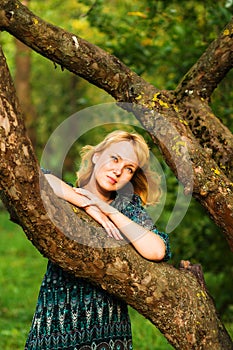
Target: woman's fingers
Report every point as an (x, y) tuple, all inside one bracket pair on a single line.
[(104, 221), (83, 200), (86, 197), (93, 208), (112, 230)]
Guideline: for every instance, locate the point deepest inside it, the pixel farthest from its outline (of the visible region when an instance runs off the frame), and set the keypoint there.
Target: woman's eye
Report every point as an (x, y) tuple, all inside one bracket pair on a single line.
[(130, 170), (115, 159)]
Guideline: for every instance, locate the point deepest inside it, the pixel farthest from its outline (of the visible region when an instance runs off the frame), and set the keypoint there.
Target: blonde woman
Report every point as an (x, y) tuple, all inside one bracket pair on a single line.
[(113, 185)]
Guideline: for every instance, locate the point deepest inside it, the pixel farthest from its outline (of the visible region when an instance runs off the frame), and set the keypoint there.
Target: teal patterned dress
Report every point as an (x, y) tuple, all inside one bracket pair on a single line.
[(72, 314)]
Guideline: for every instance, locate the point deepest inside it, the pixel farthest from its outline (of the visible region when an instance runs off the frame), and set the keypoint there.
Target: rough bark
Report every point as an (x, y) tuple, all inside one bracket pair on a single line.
[(210, 70), (202, 156), (194, 92), (172, 299)]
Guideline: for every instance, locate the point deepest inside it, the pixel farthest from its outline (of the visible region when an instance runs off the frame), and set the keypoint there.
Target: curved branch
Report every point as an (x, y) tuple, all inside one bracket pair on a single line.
[(211, 68), (215, 138), (192, 164), (71, 52)]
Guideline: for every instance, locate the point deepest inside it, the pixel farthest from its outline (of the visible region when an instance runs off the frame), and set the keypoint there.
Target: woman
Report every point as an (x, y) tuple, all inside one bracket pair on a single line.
[(113, 184)]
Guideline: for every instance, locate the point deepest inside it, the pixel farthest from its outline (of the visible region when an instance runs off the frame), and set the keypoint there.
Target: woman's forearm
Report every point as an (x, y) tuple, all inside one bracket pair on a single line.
[(150, 245), (147, 243), (66, 192), (62, 189)]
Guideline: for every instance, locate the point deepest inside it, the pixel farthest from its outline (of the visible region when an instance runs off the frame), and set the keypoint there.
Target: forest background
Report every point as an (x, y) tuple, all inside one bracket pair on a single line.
[(159, 40)]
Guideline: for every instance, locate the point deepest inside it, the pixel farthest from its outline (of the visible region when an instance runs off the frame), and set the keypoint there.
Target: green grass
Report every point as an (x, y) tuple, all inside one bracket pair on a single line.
[(22, 269), (21, 272)]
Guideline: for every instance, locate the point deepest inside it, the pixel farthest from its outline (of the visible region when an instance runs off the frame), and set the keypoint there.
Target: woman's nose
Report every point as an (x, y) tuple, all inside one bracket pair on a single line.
[(117, 170)]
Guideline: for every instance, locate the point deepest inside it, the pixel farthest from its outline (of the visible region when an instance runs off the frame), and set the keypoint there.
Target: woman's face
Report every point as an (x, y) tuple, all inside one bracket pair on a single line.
[(114, 167)]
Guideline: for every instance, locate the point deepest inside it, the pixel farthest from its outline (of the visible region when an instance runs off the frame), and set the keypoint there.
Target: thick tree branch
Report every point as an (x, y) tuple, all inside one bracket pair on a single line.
[(191, 163), (214, 137), (193, 94), (211, 68), (70, 51), (163, 294)]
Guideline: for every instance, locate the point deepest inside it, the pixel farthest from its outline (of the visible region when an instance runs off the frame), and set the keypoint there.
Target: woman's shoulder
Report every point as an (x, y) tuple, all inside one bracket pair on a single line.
[(136, 199)]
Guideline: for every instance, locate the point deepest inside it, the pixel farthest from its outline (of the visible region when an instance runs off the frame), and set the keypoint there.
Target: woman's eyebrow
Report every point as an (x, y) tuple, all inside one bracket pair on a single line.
[(134, 165)]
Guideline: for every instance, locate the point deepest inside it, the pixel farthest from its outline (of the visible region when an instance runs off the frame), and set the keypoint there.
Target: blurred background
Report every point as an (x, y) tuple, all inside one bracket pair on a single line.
[(159, 40)]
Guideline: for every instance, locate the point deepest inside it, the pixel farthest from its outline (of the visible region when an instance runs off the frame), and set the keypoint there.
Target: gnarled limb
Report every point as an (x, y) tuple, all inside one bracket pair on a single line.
[(211, 68)]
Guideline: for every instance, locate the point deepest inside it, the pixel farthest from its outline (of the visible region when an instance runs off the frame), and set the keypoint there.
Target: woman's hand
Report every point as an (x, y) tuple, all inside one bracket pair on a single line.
[(95, 208), (104, 221), (146, 242), (116, 224), (96, 201)]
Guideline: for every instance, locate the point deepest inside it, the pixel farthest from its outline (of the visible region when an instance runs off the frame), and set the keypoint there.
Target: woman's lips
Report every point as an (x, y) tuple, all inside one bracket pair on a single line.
[(112, 180)]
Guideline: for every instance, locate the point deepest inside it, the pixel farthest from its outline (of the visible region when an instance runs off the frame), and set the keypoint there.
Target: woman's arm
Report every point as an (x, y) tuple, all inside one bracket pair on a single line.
[(149, 244), (66, 192)]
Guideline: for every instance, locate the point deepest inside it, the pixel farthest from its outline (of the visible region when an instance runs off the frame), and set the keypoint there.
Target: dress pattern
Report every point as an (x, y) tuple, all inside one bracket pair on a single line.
[(72, 314)]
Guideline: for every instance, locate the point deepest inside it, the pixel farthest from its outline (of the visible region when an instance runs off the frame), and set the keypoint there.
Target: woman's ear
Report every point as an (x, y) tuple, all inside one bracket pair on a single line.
[(95, 158)]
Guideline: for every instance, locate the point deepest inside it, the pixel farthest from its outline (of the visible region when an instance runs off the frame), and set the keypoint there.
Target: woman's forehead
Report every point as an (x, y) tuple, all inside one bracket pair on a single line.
[(125, 150)]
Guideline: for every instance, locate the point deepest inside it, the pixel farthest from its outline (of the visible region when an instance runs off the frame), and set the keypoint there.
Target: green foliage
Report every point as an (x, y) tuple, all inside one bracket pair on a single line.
[(21, 273), (160, 39)]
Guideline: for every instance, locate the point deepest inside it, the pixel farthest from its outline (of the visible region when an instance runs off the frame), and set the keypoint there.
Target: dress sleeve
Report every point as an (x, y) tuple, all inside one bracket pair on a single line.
[(47, 171), (137, 213)]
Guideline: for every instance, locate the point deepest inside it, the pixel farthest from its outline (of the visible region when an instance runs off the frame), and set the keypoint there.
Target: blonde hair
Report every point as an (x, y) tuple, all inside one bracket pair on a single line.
[(146, 183)]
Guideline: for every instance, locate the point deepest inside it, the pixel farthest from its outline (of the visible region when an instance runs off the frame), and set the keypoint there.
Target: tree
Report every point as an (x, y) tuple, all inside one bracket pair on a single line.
[(174, 300)]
